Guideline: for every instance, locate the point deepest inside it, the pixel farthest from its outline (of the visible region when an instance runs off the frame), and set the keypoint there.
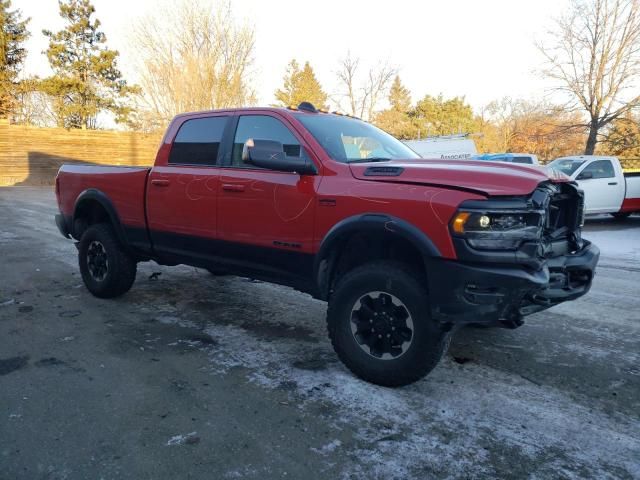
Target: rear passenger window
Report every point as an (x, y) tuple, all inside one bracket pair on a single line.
[(262, 127), (198, 141), (601, 169)]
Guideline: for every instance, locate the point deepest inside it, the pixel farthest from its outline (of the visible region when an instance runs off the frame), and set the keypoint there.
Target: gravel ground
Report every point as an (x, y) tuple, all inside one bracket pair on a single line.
[(194, 376)]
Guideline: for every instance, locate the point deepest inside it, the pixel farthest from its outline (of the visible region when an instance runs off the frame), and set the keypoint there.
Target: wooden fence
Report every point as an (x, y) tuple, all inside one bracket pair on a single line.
[(32, 156)]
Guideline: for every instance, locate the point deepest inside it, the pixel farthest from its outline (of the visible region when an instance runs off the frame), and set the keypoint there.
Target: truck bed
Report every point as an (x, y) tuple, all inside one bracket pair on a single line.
[(124, 187), (631, 202)]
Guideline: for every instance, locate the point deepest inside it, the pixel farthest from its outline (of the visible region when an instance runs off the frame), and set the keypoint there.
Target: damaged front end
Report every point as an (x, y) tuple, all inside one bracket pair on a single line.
[(516, 256)]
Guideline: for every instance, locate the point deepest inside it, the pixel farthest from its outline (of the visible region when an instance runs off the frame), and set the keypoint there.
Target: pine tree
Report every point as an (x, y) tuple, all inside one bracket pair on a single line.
[(399, 96), (301, 86), (395, 120), (13, 34), (86, 79)]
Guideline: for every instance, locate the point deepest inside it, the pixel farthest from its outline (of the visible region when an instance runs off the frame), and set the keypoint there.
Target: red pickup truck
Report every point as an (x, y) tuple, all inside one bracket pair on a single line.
[(403, 249)]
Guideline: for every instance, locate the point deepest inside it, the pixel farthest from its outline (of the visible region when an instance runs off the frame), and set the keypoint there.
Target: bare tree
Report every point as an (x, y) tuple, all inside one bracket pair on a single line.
[(594, 55), (196, 57), (362, 96)]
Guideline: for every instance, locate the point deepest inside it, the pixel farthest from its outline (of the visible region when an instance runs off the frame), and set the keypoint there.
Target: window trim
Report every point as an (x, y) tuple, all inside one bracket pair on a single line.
[(233, 127), (613, 170), (221, 149)]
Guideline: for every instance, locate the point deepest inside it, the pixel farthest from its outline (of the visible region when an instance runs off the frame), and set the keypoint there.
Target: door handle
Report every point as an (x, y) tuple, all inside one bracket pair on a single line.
[(158, 182), (612, 183), (233, 187)]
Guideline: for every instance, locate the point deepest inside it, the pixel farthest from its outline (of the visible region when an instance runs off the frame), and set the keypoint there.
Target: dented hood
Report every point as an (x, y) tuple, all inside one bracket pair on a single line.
[(489, 178)]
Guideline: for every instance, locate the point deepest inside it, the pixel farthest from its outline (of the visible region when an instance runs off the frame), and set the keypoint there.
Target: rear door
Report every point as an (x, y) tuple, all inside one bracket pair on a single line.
[(266, 217), (181, 198), (603, 190)]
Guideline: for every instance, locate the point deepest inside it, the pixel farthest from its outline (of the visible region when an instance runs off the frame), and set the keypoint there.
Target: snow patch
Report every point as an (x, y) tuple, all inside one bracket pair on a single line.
[(181, 439)]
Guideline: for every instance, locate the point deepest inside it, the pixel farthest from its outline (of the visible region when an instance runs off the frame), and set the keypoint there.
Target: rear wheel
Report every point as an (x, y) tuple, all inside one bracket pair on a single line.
[(107, 269), (380, 327)]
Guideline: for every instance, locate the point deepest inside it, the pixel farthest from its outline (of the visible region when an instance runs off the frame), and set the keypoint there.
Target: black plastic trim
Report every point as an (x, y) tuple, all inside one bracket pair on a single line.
[(104, 201), (62, 223), (141, 244), (501, 295), (277, 265), (373, 222), (383, 171)]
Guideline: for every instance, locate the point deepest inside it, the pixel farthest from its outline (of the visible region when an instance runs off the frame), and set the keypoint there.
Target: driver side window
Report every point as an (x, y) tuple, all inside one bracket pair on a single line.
[(600, 169), (262, 127)]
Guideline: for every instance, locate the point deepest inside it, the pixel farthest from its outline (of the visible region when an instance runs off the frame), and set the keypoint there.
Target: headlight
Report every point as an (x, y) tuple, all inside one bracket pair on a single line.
[(495, 230)]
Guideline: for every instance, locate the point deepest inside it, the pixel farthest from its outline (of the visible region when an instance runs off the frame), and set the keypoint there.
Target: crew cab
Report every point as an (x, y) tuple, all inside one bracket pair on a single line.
[(404, 250), (607, 188)]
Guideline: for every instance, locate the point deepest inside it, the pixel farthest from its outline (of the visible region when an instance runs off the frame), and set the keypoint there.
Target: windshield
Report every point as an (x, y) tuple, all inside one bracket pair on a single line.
[(566, 165), (350, 140)]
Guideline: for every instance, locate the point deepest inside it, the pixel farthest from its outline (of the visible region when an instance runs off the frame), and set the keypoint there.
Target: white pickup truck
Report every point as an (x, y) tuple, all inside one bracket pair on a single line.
[(607, 189)]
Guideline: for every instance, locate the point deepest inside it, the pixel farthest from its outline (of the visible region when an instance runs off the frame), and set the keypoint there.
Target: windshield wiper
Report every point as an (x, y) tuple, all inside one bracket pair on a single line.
[(370, 159)]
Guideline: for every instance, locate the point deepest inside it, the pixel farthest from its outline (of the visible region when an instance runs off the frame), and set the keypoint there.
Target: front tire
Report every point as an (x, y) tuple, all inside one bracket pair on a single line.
[(380, 325), (107, 270)]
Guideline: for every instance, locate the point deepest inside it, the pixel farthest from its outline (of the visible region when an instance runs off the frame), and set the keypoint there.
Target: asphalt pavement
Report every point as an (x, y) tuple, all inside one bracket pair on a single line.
[(195, 376)]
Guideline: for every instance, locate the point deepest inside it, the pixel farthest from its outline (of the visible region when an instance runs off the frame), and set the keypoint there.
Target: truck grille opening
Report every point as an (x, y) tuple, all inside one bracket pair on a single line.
[(565, 214), (565, 210)]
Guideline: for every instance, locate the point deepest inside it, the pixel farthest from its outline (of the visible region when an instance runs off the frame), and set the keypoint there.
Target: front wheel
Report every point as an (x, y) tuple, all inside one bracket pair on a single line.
[(380, 325), (107, 270)]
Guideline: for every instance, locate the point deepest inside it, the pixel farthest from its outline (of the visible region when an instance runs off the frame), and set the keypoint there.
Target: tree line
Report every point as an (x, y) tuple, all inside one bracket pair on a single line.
[(198, 56)]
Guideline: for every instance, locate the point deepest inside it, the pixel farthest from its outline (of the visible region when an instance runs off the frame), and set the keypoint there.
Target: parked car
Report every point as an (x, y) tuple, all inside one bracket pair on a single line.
[(447, 147), (403, 250), (607, 188), (526, 158)]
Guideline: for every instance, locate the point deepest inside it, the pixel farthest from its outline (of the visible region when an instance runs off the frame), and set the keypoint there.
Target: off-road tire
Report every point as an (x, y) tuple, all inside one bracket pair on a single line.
[(121, 267), (429, 341)]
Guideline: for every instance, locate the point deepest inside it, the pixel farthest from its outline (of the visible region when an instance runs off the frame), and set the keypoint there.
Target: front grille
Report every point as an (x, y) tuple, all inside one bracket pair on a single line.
[(565, 211), (564, 217)]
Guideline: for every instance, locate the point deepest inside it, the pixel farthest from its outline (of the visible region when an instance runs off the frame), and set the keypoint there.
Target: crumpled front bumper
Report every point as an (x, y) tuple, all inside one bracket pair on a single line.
[(500, 295)]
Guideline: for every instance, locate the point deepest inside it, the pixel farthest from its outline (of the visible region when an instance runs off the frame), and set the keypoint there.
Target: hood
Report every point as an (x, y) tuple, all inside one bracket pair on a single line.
[(489, 178)]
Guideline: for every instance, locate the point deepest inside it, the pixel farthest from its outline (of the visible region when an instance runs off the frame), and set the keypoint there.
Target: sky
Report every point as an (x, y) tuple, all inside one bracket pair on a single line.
[(482, 50)]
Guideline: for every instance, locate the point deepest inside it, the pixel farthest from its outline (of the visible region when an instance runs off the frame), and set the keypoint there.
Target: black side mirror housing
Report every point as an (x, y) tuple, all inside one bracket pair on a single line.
[(271, 155), (585, 176)]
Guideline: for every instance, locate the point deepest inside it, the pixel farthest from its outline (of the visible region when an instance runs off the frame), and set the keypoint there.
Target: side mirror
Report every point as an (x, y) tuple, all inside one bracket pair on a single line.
[(585, 176), (270, 154)]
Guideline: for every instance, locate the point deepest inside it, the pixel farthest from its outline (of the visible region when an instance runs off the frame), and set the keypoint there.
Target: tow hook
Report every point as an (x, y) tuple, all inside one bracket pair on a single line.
[(545, 302)]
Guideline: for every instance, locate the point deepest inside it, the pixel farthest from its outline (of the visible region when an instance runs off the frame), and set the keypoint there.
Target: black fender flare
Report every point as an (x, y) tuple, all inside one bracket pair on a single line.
[(372, 222), (95, 195)]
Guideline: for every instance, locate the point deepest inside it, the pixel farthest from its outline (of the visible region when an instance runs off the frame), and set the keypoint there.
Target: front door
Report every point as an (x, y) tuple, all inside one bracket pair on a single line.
[(265, 217), (602, 191), (181, 198)]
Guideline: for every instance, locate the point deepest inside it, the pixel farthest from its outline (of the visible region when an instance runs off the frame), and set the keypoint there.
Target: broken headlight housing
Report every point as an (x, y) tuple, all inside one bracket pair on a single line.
[(498, 230)]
